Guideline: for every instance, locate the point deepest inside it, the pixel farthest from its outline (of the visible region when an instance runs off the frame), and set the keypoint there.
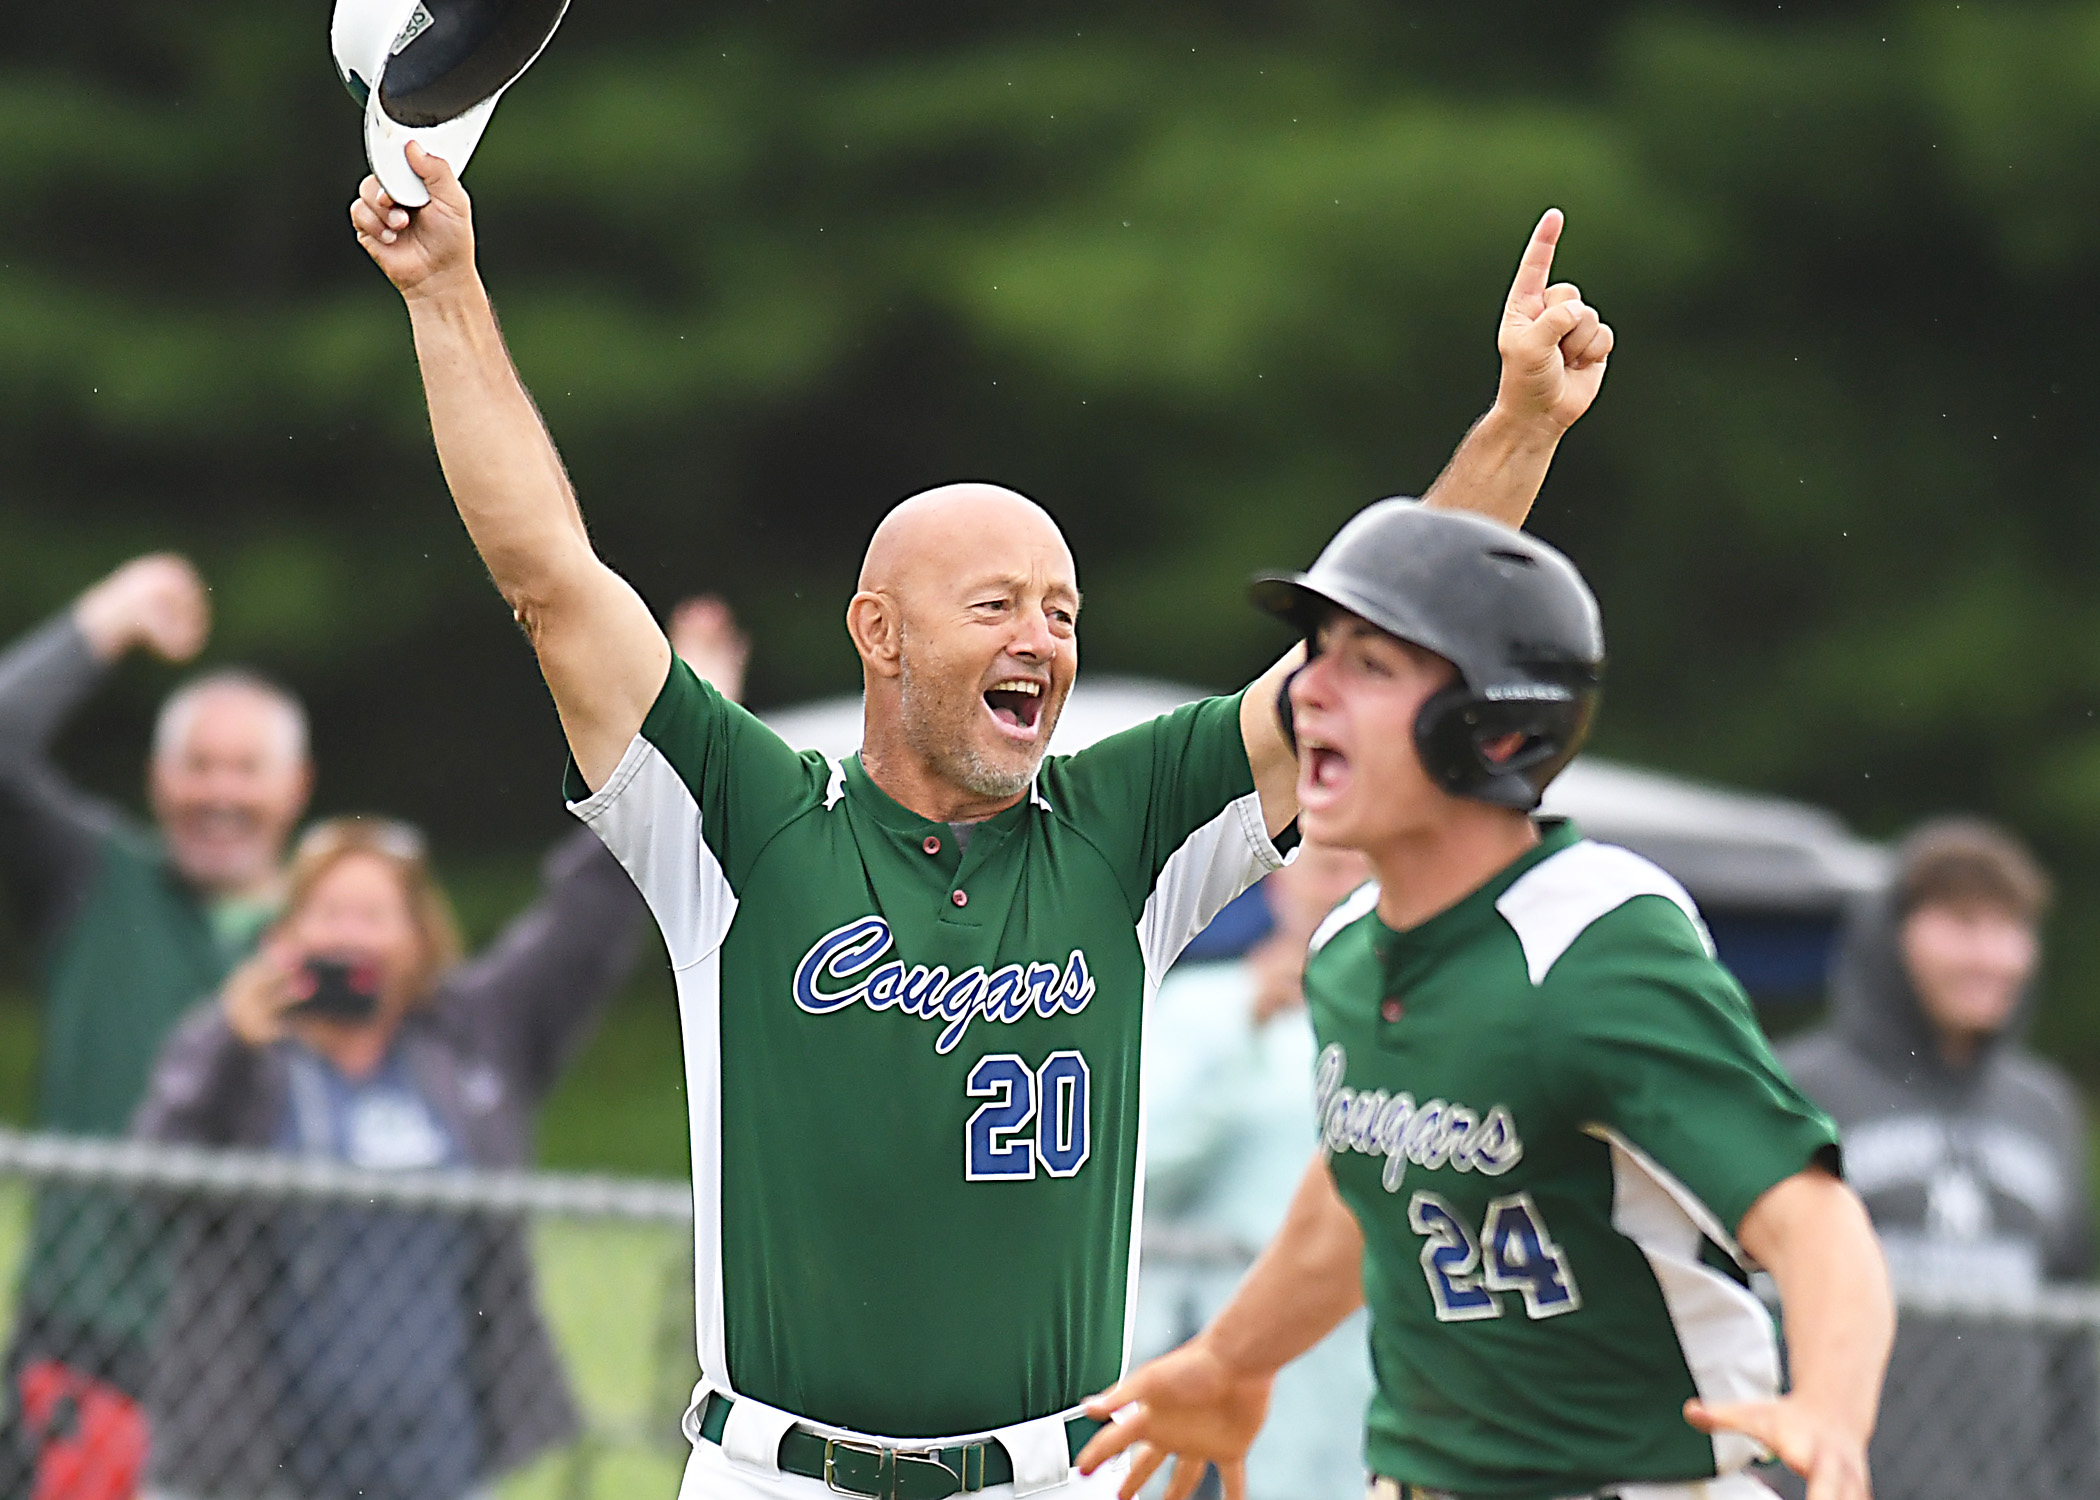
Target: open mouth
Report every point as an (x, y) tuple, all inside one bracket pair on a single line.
[(1016, 705), (1323, 772)]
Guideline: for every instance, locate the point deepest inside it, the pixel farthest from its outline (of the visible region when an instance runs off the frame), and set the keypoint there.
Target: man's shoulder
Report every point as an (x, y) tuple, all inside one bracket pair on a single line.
[(1206, 726), (1355, 916), (1591, 904)]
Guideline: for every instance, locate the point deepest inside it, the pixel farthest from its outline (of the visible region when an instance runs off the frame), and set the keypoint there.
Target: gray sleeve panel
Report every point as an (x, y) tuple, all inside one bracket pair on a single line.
[(531, 997), (51, 833)]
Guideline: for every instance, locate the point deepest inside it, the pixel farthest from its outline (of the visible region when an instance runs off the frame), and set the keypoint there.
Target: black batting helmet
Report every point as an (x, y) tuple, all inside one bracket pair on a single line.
[(1510, 613)]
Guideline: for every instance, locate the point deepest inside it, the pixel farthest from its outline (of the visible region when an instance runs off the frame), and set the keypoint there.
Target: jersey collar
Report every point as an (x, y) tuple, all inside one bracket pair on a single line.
[(886, 810), (1400, 951)]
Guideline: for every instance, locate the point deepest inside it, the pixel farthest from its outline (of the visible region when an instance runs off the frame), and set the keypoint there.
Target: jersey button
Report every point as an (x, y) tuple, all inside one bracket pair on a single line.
[(1392, 1010), (960, 898), (932, 845)]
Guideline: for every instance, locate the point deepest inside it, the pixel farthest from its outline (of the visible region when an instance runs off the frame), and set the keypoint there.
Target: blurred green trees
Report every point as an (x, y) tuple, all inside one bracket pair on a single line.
[(1202, 278)]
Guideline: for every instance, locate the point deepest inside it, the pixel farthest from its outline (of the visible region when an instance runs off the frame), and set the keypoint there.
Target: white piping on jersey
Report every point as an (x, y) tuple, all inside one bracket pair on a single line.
[(1214, 864), (647, 816), (835, 788), (1730, 1347), (1554, 902), (1688, 1202), (654, 830), (1352, 909)]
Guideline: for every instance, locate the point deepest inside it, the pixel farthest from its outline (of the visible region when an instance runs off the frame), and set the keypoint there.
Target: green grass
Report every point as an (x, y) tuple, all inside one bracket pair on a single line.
[(619, 1299)]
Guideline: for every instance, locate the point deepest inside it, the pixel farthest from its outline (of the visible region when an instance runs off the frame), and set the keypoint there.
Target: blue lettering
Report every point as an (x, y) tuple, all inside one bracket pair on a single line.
[(1042, 991), (965, 992), (1002, 990), (922, 991), (885, 985), (1078, 987), (853, 962), (839, 954)]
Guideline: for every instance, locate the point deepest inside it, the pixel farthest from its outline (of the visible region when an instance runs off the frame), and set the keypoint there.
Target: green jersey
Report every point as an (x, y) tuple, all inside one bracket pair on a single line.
[(1549, 1108), (912, 1068)]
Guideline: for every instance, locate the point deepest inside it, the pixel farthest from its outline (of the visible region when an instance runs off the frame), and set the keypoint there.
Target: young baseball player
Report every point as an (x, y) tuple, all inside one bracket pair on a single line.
[(1553, 1142), (911, 984)]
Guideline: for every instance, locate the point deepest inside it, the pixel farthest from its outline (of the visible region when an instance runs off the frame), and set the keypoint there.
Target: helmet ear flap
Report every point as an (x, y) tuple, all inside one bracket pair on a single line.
[(1286, 715), (1455, 728)]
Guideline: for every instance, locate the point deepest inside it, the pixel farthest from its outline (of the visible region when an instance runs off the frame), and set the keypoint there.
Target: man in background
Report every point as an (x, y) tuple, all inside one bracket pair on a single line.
[(1970, 1153), (1229, 1087), (130, 924)]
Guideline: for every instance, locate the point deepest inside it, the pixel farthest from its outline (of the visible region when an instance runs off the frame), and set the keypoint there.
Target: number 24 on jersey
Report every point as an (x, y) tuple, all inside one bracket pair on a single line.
[(1513, 1253)]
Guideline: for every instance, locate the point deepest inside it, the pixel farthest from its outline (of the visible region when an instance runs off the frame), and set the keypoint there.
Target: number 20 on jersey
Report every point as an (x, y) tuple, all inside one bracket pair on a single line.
[(1032, 1118)]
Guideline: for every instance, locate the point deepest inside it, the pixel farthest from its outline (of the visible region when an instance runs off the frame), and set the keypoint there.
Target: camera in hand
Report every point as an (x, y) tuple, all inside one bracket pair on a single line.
[(337, 991)]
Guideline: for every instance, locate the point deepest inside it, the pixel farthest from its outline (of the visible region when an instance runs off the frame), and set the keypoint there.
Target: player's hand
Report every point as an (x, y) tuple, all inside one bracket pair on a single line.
[(1553, 344), (1190, 1406), (424, 251), (157, 602), (704, 633), (1830, 1457)]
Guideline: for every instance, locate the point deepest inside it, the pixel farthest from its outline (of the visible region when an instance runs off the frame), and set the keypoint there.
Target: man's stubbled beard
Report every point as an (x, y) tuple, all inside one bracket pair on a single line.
[(940, 730)]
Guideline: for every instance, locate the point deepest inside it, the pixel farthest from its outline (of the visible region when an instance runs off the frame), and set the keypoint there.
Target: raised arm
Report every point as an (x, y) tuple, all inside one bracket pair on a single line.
[(1204, 1402), (1812, 1233), (600, 650), (1554, 348), (51, 832)]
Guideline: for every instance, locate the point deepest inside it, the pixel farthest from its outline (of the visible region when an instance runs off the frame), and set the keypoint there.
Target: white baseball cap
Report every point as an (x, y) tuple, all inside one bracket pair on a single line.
[(431, 71)]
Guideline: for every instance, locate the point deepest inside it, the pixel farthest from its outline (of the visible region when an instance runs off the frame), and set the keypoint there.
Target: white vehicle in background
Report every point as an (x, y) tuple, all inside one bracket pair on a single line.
[(1770, 875)]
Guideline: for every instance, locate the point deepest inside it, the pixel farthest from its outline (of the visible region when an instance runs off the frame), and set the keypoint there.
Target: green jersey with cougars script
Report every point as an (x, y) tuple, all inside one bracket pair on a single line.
[(912, 1068), (1549, 1108)]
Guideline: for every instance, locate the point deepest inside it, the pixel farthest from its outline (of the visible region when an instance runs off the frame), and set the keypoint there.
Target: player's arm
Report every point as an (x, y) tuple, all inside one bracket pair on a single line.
[(600, 650), (1554, 350), (1812, 1233), (1204, 1402)]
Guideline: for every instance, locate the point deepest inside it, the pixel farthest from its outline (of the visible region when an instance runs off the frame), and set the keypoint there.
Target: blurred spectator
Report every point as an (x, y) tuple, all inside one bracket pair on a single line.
[(1230, 1127), (131, 925), (375, 1352), (1971, 1154), (386, 1354)]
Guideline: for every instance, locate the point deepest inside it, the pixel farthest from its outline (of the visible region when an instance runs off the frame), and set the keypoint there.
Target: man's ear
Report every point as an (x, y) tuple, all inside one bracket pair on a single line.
[(877, 631)]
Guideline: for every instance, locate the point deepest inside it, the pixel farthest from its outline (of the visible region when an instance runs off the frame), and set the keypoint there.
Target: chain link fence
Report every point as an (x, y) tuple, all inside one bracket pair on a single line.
[(204, 1325)]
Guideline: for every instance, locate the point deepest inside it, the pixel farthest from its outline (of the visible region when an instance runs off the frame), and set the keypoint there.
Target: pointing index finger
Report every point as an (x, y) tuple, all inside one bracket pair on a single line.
[(1536, 268)]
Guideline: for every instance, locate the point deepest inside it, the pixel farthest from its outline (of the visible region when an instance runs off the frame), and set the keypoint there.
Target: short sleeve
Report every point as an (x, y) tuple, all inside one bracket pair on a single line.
[(1171, 804), (700, 792), (1655, 1042)]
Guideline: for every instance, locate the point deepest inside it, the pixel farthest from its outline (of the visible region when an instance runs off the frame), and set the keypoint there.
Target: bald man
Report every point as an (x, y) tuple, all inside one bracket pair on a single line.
[(911, 983)]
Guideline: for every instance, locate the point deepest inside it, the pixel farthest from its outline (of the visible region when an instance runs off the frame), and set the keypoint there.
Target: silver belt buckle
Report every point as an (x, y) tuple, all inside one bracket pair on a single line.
[(867, 1450)]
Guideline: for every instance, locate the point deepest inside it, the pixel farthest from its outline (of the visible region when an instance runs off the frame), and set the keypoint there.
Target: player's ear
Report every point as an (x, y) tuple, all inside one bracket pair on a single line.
[(873, 622)]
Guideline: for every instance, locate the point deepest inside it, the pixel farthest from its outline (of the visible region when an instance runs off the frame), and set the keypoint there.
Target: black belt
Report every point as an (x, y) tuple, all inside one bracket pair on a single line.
[(877, 1471)]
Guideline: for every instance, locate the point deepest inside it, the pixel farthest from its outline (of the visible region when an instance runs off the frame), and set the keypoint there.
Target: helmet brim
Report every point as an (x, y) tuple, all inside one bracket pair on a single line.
[(1301, 603)]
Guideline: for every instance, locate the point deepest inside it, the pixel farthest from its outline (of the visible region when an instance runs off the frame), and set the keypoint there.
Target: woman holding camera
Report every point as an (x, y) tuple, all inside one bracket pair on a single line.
[(353, 1350)]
